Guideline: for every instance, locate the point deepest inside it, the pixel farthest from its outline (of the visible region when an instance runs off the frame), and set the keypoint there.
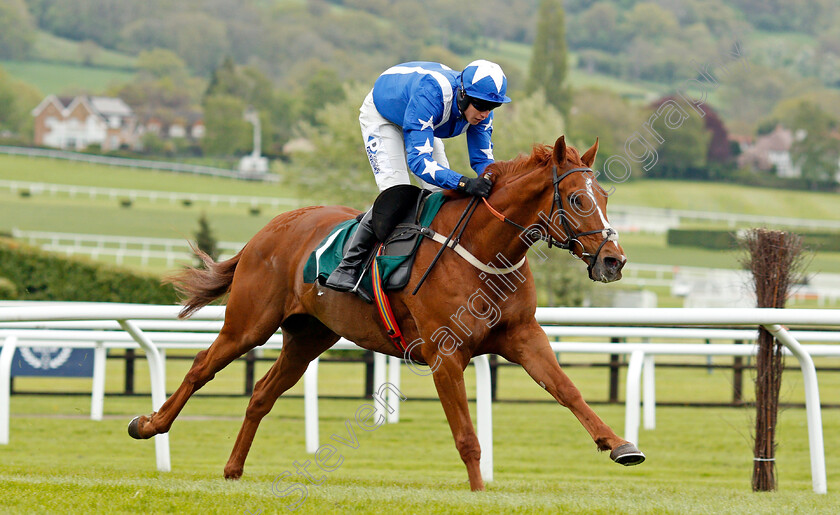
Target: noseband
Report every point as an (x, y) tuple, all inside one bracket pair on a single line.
[(608, 233)]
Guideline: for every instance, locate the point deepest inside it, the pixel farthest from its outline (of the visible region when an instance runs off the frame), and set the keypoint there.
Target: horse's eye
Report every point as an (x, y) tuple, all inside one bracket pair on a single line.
[(576, 201)]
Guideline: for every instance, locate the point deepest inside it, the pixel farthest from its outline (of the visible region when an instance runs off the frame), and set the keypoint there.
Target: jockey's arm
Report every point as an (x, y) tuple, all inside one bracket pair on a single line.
[(423, 112), (480, 145)]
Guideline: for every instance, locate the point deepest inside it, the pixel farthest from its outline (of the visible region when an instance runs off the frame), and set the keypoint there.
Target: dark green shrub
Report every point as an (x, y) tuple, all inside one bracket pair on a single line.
[(39, 275), (727, 240), (705, 238), (8, 291)]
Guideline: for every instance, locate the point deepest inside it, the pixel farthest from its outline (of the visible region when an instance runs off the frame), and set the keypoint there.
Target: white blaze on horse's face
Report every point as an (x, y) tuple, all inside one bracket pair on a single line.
[(606, 262), (612, 236)]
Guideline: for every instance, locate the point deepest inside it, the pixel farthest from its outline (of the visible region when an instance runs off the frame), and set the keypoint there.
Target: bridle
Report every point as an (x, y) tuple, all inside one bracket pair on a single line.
[(573, 237)]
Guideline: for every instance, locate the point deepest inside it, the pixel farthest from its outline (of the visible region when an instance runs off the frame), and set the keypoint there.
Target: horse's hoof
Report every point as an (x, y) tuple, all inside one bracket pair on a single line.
[(134, 428), (233, 475), (627, 455)]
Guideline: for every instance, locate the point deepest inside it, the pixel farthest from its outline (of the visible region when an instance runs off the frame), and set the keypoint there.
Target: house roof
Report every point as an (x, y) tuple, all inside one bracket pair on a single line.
[(110, 106), (103, 106), (779, 140)]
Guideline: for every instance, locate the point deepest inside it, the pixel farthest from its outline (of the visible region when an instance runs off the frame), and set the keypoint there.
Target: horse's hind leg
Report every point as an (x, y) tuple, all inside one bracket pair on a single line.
[(246, 326), (299, 348)]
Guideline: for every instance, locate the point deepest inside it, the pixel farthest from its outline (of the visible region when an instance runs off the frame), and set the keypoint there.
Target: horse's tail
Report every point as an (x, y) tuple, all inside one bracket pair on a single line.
[(198, 287)]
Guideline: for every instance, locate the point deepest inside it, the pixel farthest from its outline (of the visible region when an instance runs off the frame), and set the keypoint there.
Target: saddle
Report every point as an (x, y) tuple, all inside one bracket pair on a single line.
[(399, 214), (396, 223)]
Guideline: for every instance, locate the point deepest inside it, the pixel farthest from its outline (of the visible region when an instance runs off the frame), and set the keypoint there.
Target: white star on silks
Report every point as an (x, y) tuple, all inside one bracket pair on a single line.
[(425, 149), (431, 168), (489, 124), (427, 124), (488, 69), (488, 152)]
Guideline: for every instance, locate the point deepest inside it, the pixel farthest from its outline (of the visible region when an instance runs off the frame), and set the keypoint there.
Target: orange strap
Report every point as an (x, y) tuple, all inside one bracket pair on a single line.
[(492, 210), (383, 306)]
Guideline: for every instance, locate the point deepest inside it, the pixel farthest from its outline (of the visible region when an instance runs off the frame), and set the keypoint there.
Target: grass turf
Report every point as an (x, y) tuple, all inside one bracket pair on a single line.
[(699, 461)]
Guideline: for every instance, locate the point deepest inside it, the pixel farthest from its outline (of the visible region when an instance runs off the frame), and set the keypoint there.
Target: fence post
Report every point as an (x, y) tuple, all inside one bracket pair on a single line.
[(738, 378), (368, 374), (614, 367), (494, 374), (250, 360), (129, 371)]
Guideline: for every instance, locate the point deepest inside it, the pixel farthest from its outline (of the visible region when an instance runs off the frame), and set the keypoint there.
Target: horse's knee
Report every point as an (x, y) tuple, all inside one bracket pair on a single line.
[(197, 377), (468, 447), (258, 407), (199, 358), (569, 397)]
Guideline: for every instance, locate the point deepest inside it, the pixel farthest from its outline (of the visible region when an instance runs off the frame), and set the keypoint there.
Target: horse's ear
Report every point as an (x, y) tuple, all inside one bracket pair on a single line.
[(589, 156), (560, 151)]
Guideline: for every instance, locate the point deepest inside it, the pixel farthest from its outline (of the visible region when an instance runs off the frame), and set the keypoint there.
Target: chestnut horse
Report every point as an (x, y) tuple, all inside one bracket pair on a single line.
[(551, 193)]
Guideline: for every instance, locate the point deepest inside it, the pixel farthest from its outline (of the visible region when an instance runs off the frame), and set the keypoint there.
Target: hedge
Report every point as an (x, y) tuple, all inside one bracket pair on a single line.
[(38, 275), (728, 240)]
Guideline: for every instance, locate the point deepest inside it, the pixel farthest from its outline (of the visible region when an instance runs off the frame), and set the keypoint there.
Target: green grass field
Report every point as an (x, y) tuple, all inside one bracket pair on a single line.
[(61, 79), (51, 48), (699, 459), (165, 220)]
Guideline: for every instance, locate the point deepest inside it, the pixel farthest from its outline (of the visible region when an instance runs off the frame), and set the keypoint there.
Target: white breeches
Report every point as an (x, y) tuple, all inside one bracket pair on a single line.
[(385, 149)]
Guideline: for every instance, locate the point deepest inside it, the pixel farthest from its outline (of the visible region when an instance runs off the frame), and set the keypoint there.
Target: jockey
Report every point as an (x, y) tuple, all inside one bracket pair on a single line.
[(403, 118)]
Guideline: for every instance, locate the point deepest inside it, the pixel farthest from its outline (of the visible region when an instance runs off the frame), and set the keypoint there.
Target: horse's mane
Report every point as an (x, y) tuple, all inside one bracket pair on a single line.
[(539, 157), (509, 170)]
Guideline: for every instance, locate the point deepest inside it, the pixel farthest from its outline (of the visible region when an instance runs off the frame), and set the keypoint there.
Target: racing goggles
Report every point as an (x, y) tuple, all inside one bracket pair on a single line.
[(483, 105)]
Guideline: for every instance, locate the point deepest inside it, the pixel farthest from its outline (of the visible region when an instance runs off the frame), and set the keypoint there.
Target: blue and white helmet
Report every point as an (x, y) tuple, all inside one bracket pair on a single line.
[(485, 80)]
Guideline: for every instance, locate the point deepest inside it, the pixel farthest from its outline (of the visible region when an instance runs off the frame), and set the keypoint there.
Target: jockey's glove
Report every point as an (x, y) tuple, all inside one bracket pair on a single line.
[(479, 187)]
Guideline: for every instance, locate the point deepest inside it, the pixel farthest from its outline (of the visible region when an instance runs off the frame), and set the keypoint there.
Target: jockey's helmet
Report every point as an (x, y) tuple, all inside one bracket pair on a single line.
[(483, 84)]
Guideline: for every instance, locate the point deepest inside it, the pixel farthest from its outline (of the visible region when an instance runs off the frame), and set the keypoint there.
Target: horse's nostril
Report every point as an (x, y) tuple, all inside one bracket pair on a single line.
[(612, 263)]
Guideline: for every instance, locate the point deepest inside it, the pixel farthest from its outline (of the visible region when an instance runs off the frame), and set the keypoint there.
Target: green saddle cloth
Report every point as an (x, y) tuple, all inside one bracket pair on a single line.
[(326, 257)]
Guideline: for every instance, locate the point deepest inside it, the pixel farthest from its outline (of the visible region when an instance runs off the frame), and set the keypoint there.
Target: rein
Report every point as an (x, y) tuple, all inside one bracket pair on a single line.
[(608, 233)]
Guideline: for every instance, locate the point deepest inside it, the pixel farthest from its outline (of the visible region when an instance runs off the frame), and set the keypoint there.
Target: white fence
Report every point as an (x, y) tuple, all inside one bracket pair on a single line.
[(659, 220), (171, 197), (146, 250), (133, 163), (129, 318)]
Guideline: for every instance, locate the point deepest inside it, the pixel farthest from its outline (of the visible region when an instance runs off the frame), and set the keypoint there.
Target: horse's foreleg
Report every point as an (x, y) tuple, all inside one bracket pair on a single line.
[(449, 381), (284, 373), (530, 348)]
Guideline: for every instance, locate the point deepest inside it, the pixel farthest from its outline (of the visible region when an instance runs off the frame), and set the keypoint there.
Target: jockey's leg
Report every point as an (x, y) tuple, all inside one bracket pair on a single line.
[(346, 276), (384, 146)]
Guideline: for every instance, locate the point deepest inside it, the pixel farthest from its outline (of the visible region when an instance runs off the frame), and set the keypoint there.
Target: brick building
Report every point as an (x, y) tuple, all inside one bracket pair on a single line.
[(75, 123)]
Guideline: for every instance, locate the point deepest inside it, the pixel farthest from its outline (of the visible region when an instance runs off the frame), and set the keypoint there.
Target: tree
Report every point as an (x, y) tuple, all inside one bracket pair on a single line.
[(17, 99), (205, 240), (516, 128), (652, 21), (227, 131), (17, 34), (323, 88), (684, 152), (548, 58), (337, 170), (607, 116), (159, 63), (817, 151)]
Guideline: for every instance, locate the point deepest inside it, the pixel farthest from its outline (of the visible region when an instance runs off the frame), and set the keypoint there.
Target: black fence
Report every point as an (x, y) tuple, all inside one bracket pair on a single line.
[(614, 365)]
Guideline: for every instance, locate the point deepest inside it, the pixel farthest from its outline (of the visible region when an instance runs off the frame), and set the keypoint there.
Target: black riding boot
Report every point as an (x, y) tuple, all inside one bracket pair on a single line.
[(346, 276)]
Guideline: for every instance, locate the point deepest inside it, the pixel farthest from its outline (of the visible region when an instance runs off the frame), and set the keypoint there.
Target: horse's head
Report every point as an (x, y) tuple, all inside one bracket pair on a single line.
[(579, 213)]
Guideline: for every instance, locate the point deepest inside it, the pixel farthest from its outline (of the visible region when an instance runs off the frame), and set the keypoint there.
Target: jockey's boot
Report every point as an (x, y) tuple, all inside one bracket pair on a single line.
[(346, 276)]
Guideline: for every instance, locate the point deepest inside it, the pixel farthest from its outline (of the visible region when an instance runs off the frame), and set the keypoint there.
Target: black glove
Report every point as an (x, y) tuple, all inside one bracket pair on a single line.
[(480, 186)]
